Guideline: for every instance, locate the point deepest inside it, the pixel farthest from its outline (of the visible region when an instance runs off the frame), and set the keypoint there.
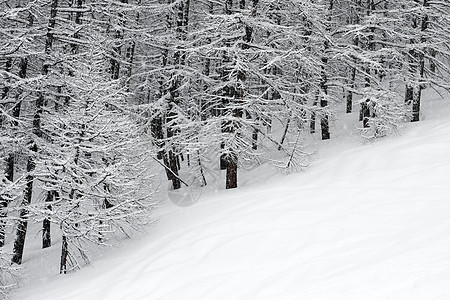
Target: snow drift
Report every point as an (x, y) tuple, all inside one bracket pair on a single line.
[(370, 222)]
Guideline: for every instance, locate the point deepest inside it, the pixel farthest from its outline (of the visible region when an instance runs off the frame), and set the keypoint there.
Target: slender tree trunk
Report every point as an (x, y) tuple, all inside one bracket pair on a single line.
[(37, 131), (223, 158), (172, 156), (255, 139), (324, 119), (117, 47), (286, 128), (64, 255), (312, 121), (158, 120), (409, 92), (324, 125), (417, 94), (19, 242), (6, 88), (4, 202), (158, 135), (365, 111), (46, 236), (350, 92), (417, 90), (176, 183), (182, 18), (432, 61), (232, 157), (231, 176), (73, 194), (10, 161), (129, 55), (354, 19), (202, 173)]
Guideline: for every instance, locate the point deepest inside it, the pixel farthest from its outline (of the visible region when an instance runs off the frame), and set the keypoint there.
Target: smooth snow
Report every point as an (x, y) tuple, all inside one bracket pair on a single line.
[(369, 222)]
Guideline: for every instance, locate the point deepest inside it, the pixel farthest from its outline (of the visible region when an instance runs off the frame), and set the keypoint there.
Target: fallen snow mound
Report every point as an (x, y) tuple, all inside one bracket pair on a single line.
[(367, 223)]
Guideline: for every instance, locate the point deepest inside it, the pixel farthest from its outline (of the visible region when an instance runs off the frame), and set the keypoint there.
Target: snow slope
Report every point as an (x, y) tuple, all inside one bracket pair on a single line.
[(369, 222)]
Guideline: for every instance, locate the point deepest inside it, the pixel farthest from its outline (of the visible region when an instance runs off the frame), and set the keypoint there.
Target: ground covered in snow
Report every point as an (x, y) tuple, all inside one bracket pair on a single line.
[(363, 222)]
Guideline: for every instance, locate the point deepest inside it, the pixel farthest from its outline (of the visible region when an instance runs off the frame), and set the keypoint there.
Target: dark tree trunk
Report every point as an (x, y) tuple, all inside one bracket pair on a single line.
[(166, 162), (176, 183), (158, 136), (172, 157), (433, 61), (6, 88), (37, 131), (181, 22), (232, 158), (417, 95), (130, 58), (156, 125), (238, 95), (78, 17), (232, 169), (64, 255), (350, 92), (228, 93), (324, 122), (409, 92), (365, 112), (19, 242), (129, 54), (115, 58), (117, 48), (312, 122), (324, 126), (286, 128), (9, 174), (201, 169), (354, 19), (223, 158), (10, 161), (255, 139), (46, 237), (3, 205)]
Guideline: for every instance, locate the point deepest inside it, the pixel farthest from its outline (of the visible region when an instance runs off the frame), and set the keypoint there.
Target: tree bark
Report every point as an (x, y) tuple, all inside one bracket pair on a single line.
[(64, 255), (286, 128), (117, 47), (255, 139), (4, 202), (10, 161), (6, 88), (19, 242), (46, 236), (324, 122), (232, 169), (417, 93), (365, 112), (312, 121), (37, 132), (350, 92)]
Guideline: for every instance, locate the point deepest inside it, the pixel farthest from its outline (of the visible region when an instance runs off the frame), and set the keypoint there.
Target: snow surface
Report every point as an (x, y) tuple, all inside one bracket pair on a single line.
[(364, 222)]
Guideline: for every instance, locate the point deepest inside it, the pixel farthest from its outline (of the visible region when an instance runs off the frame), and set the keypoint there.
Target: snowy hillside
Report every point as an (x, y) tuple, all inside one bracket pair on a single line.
[(369, 222)]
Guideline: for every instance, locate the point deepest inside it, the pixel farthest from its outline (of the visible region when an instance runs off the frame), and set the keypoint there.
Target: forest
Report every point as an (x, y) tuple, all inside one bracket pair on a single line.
[(102, 99)]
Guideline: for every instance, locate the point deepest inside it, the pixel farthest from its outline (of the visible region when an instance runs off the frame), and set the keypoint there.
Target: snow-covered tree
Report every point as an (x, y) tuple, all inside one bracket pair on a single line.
[(97, 161)]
